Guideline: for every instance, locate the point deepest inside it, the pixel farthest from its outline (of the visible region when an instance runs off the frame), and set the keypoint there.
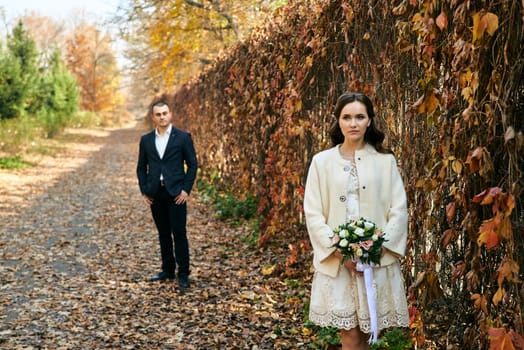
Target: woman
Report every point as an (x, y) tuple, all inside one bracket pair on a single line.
[(356, 178)]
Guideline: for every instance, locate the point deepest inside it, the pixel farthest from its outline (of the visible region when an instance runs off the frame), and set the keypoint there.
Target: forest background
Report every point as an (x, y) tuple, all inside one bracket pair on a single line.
[(256, 88)]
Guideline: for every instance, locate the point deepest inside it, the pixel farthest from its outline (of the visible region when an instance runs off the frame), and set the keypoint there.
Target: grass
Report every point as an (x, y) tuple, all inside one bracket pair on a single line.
[(15, 162)]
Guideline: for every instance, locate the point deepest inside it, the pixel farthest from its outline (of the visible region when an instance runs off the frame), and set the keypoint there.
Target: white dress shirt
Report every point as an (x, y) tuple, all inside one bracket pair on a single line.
[(161, 143)]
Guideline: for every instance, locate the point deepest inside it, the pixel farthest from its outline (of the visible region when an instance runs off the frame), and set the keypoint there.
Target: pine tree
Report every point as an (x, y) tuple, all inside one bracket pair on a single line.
[(58, 95), (11, 85), (23, 48)]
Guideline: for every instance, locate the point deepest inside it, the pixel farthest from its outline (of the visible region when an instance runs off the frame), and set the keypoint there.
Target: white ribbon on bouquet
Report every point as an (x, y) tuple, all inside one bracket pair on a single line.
[(367, 269)]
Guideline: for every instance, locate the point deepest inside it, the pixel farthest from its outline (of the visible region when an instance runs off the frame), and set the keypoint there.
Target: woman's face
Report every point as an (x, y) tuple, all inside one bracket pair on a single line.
[(353, 122)]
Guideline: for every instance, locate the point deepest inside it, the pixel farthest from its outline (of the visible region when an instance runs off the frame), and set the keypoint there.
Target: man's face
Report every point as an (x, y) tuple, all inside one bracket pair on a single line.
[(161, 116)]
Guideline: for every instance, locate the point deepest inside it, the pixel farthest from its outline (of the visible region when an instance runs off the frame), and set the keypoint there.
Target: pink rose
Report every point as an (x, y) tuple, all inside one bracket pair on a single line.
[(366, 244)]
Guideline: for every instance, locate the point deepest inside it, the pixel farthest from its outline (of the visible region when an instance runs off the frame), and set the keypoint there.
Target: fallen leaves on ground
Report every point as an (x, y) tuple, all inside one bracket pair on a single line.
[(78, 244)]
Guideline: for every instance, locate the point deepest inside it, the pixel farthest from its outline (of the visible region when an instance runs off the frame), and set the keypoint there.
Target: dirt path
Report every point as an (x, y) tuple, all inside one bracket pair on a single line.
[(77, 244)]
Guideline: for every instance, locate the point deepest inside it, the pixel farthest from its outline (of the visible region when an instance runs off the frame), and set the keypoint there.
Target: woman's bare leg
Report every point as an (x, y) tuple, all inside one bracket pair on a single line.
[(354, 339)]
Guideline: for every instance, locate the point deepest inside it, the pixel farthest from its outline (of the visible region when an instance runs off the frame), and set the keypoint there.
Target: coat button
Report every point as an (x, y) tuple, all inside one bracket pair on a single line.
[(363, 187), (347, 168), (342, 198)]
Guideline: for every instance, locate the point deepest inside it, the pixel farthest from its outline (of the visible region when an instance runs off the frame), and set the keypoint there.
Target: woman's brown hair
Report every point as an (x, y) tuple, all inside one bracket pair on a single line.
[(373, 135)]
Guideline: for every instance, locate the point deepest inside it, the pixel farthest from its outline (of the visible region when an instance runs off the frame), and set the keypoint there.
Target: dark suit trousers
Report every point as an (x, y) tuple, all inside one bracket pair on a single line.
[(170, 220)]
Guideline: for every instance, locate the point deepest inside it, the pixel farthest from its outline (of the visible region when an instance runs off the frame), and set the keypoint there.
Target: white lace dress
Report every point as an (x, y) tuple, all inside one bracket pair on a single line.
[(341, 302)]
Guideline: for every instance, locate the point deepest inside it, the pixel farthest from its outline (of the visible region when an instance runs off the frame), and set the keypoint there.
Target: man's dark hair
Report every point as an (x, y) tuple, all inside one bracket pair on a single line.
[(159, 103)]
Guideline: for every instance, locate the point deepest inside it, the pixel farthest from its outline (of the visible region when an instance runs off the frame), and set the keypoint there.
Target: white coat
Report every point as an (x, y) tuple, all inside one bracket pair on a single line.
[(382, 199)]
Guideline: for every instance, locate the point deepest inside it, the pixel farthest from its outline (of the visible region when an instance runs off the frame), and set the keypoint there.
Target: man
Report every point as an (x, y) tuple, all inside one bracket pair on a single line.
[(166, 172)]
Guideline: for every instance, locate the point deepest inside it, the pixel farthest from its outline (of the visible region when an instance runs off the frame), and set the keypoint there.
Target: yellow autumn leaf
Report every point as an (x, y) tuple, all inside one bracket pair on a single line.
[(298, 105), (268, 269), (419, 183), (399, 10), (429, 104), (478, 29), (506, 231), (467, 93), (491, 22), (456, 165), (417, 17), (480, 302), (309, 61), (508, 204), (465, 78), (487, 22), (498, 296), (283, 65)]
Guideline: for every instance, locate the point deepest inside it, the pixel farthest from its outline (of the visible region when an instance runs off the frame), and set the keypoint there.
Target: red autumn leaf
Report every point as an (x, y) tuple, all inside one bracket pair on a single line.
[(450, 211), (487, 196), (430, 50), (507, 204), (492, 194), (508, 270), (479, 197), (473, 279), (348, 12), (448, 236), (458, 270), (413, 312), (474, 158), (499, 339), (517, 339), (488, 234), (442, 21)]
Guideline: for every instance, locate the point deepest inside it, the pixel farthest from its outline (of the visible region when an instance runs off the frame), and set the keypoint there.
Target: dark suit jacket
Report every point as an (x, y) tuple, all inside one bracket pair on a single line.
[(180, 151)]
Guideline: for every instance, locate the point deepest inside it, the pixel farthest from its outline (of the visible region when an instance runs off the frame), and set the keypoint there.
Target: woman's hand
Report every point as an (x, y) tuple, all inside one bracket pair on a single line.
[(349, 264)]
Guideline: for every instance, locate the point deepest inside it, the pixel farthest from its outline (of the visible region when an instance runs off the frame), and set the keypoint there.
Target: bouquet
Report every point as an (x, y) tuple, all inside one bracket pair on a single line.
[(359, 240)]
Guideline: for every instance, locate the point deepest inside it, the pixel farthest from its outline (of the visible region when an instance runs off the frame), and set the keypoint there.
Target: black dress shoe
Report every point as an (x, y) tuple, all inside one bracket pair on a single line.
[(183, 282), (162, 276)]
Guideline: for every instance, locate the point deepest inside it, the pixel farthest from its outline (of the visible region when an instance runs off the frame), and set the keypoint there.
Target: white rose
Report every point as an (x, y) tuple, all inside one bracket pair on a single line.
[(343, 243), (374, 237), (369, 225), (359, 252), (343, 234), (359, 231)]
